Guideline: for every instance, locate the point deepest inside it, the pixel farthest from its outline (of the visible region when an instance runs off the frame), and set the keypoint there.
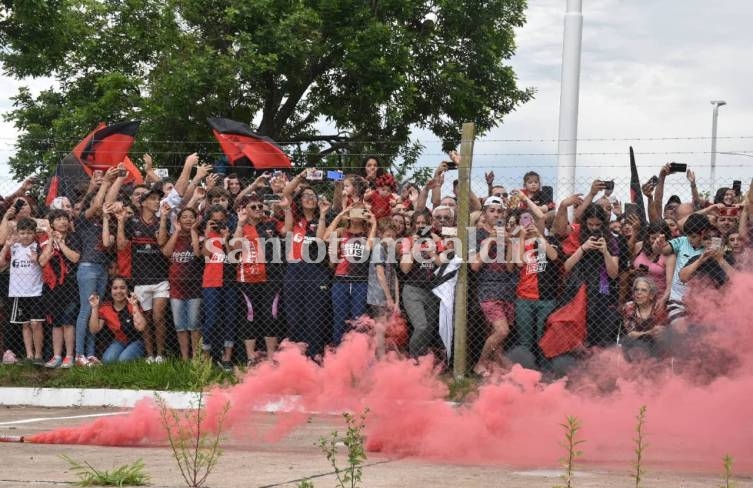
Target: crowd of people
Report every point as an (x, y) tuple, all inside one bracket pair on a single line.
[(117, 270)]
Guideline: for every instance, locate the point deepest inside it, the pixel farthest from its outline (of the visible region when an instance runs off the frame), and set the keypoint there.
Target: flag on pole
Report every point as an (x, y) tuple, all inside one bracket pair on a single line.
[(636, 195), (242, 146), (104, 147)]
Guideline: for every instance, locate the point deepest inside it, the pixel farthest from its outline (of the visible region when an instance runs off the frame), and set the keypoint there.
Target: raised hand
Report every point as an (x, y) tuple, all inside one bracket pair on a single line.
[(192, 159), (489, 178), (94, 300)]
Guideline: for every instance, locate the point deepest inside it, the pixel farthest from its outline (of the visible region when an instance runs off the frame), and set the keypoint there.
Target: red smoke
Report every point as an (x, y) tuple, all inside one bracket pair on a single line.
[(697, 405)]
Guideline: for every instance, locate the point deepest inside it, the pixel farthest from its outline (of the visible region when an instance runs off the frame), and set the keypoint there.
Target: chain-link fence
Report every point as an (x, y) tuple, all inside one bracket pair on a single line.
[(231, 266)]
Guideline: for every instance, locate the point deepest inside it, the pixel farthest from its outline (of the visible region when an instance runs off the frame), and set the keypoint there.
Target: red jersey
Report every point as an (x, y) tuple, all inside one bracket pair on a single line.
[(215, 263), (304, 235), (255, 257), (353, 257), (185, 270)]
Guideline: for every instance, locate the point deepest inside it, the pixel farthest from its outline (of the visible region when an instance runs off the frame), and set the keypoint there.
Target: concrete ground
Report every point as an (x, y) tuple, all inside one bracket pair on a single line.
[(285, 463)]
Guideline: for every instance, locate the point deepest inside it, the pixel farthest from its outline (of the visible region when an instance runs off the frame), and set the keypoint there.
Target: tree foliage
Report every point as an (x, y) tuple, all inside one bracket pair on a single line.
[(334, 78)]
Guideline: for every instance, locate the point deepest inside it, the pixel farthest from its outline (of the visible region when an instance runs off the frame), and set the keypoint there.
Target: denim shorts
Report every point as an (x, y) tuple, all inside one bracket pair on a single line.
[(186, 313)]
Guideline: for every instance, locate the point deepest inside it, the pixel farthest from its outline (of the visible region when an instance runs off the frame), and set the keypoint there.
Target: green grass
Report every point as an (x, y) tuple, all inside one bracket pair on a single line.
[(126, 475), (172, 375)]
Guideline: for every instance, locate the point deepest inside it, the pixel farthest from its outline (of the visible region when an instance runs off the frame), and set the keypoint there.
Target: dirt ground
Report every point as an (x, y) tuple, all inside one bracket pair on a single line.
[(285, 463)]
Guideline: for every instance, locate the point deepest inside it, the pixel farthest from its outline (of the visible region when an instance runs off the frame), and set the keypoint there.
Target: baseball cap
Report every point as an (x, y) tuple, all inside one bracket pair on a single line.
[(150, 192), (493, 201)]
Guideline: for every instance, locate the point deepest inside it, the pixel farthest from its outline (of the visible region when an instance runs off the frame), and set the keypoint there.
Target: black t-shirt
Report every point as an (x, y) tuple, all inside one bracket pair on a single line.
[(89, 235), (148, 264)]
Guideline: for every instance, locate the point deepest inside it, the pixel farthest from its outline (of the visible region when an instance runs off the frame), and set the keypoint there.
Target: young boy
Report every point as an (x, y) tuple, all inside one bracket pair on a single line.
[(382, 293), (25, 287), (683, 249)]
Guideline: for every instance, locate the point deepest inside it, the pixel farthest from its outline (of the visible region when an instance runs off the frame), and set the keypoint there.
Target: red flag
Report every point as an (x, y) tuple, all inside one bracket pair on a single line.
[(243, 146), (566, 326), (104, 147)]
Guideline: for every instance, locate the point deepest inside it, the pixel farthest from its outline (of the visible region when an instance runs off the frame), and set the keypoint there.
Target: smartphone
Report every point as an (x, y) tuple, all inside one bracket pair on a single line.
[(19, 205), (653, 181), (608, 185), (643, 268), (449, 231), (716, 243), (335, 175), (122, 173), (525, 220), (425, 232), (678, 167), (359, 213), (737, 186), (630, 209), (313, 174), (162, 172), (547, 194), (451, 165)]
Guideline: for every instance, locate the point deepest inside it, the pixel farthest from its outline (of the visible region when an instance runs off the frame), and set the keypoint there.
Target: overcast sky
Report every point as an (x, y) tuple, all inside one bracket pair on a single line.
[(649, 70)]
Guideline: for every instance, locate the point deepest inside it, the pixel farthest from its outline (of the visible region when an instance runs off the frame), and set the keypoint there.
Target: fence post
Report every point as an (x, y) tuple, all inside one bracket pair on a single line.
[(460, 349)]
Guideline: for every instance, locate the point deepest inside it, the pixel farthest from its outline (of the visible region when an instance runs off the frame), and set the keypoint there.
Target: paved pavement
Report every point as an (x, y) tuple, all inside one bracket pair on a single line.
[(283, 464)]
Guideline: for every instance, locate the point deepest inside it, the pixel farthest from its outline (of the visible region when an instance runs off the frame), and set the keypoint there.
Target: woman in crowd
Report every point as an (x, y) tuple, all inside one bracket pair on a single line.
[(183, 249), (643, 321), (595, 264), (258, 277), (306, 287), (649, 260), (350, 256), (401, 224), (125, 320), (219, 293), (60, 253), (371, 171)]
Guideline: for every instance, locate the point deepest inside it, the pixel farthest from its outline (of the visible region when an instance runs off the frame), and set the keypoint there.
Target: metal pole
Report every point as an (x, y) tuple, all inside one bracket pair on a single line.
[(460, 317), (714, 117), (569, 93)]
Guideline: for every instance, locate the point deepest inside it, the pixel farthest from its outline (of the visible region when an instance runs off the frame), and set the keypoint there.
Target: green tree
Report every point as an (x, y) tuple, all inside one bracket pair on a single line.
[(370, 70)]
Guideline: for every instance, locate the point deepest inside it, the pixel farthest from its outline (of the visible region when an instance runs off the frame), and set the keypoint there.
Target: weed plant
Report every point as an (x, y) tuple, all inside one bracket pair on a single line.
[(571, 443), (196, 450), (126, 475), (350, 476), (727, 463), (640, 446)]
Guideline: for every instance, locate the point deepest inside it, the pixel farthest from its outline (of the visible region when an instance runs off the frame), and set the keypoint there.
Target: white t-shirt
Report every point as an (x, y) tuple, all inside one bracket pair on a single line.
[(25, 272)]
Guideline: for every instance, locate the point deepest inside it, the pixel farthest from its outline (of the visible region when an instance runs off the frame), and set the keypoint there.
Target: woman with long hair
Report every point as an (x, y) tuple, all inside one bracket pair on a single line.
[(123, 316), (307, 282)]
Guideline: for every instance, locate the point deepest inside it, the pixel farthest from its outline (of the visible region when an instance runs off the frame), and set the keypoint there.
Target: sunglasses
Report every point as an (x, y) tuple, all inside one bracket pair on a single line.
[(256, 207)]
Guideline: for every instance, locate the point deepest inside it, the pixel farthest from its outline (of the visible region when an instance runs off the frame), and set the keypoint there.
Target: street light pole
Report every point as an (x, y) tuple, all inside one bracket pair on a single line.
[(715, 116)]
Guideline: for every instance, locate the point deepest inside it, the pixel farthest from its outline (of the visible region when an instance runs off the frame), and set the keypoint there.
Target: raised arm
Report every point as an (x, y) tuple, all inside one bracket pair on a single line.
[(596, 187), (99, 198)]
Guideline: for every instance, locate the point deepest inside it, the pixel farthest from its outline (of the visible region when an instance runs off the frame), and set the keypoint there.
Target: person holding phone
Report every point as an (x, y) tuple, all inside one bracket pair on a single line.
[(649, 260), (350, 253), (497, 279), (595, 264)]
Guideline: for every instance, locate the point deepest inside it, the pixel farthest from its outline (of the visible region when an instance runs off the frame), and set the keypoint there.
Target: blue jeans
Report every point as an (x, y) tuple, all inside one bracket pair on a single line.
[(118, 352), (220, 310), (348, 303), (92, 278), (186, 313)]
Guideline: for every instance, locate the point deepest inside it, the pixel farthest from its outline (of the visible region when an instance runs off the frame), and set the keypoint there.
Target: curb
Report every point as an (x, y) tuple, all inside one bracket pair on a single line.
[(106, 397)]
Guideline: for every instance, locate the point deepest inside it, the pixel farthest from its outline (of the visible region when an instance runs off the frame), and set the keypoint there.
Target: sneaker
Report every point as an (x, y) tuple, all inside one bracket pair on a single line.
[(9, 357), (82, 361), (67, 362), (38, 362), (53, 363), (93, 361), (226, 366), (150, 360), (159, 359)]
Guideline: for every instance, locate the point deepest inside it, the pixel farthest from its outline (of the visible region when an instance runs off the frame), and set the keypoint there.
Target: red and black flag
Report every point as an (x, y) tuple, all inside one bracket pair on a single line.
[(566, 327), (104, 147), (242, 146), (636, 195)]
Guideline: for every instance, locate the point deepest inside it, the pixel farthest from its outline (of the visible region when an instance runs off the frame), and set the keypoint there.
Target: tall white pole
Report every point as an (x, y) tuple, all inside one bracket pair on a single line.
[(568, 129), (714, 118)]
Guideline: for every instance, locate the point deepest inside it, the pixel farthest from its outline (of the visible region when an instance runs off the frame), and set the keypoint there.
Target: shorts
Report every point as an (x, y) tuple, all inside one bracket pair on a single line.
[(61, 306), (147, 293), (496, 310), (675, 310), (186, 313), (26, 309)]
